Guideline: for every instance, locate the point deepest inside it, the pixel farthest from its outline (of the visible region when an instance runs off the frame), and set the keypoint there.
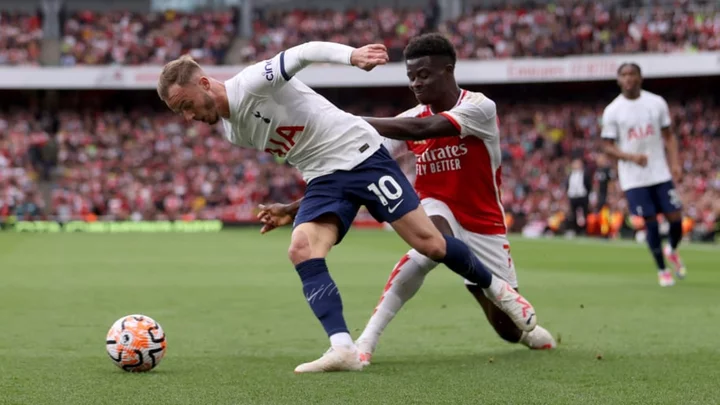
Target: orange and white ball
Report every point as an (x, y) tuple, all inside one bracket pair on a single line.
[(136, 343)]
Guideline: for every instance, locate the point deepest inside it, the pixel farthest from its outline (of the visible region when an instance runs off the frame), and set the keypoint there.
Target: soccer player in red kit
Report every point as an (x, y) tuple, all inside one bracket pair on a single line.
[(458, 169), (458, 173)]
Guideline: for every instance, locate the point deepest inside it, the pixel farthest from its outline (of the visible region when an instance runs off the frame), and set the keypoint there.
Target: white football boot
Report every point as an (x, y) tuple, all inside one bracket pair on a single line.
[(665, 278), (538, 339), (512, 303), (338, 358)]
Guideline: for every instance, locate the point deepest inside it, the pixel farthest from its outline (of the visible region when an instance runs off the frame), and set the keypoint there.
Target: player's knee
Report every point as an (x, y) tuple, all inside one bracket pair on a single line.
[(433, 246), (299, 250)]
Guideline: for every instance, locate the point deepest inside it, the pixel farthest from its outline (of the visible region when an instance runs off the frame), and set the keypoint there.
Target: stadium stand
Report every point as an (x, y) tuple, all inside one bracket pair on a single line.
[(127, 38), (132, 160), (20, 35), (132, 38)]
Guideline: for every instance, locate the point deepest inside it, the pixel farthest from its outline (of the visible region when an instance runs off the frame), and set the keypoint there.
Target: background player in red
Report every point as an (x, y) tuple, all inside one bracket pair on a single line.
[(458, 178)]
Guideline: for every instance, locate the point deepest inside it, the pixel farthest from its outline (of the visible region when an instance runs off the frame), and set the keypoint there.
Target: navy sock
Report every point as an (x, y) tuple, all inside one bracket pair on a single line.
[(675, 234), (462, 261), (653, 240), (322, 294)]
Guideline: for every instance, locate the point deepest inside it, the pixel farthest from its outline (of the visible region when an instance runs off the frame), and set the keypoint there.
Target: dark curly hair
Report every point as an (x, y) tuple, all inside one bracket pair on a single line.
[(432, 44), (634, 65)]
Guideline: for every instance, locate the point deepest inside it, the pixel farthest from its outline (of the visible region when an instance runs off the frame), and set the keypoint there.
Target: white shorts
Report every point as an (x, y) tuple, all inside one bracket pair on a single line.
[(492, 250)]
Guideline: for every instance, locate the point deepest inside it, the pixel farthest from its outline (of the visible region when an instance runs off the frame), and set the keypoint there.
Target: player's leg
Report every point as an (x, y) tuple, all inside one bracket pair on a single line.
[(537, 339), (670, 204), (321, 223), (494, 251), (405, 280), (641, 203), (420, 233), (389, 197)]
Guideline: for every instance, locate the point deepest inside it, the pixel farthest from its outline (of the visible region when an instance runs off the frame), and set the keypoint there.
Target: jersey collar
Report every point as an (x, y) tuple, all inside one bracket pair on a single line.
[(463, 93)]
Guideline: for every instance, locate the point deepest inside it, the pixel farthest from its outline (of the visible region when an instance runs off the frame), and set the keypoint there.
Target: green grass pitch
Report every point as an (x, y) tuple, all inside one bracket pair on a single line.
[(237, 324)]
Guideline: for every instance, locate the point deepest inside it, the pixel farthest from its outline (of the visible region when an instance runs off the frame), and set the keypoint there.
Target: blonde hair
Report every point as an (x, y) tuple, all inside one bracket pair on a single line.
[(179, 72)]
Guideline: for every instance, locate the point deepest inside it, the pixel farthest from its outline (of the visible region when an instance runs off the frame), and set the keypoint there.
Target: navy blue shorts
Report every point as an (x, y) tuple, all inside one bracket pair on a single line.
[(377, 183), (652, 200)]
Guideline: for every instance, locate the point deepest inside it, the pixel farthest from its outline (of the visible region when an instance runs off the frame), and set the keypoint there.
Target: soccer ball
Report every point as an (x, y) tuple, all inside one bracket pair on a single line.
[(136, 343)]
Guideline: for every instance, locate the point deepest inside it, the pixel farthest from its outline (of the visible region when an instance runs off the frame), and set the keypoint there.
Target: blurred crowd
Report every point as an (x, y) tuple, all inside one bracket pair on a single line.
[(567, 28), (125, 38), (577, 27), (135, 166), (139, 165), (20, 35)]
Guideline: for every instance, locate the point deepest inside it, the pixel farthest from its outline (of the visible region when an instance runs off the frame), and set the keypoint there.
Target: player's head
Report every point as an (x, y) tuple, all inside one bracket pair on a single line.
[(430, 62), (184, 87), (629, 79)]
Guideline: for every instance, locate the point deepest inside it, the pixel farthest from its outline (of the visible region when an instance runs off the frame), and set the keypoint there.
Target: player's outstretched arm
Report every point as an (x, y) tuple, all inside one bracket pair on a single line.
[(264, 77), (415, 129), (276, 215)]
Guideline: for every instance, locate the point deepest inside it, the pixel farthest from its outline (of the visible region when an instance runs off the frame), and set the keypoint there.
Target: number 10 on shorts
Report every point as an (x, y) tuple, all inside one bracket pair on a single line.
[(385, 193)]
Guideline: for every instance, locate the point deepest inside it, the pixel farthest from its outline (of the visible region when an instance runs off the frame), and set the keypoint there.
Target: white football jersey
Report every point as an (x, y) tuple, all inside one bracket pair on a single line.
[(272, 113), (637, 126)]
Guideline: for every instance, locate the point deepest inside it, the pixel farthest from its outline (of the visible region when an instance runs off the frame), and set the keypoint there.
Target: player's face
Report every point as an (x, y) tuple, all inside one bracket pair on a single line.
[(428, 78), (194, 102), (629, 79)]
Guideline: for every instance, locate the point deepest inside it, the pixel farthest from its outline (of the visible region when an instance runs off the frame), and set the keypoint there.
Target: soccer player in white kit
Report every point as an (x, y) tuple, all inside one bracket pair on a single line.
[(636, 131), (345, 165)]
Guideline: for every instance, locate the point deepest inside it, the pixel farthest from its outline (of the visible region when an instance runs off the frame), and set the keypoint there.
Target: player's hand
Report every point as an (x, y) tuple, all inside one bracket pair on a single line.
[(369, 56), (640, 160), (273, 216)]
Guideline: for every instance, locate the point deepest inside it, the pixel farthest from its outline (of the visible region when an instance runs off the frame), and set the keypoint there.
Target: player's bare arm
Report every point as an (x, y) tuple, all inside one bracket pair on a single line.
[(414, 129), (276, 215), (673, 156), (611, 149)]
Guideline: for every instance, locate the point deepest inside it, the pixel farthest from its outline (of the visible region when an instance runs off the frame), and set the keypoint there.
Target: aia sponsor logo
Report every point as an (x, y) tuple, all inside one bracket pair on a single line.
[(641, 133)]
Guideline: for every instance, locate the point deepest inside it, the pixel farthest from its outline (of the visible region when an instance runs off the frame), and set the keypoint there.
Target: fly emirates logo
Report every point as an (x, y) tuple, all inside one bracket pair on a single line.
[(441, 159)]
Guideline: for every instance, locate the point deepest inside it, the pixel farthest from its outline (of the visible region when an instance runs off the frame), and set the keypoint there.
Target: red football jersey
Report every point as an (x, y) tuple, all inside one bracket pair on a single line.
[(462, 171)]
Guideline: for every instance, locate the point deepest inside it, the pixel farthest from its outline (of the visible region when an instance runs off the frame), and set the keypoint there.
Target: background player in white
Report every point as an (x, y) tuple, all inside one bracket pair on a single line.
[(458, 179), (345, 165), (636, 130)]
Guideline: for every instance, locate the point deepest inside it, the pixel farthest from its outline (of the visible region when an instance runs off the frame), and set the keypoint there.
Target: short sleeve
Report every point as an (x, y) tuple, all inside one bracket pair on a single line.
[(609, 125), (475, 116)]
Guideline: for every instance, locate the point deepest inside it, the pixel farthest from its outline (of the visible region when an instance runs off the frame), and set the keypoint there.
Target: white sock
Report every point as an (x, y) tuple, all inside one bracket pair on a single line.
[(341, 339), (496, 286), (405, 280)]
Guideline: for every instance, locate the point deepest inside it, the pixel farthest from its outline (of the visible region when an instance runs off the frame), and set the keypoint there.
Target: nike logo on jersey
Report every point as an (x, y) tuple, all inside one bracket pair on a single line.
[(394, 207), (258, 115)]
